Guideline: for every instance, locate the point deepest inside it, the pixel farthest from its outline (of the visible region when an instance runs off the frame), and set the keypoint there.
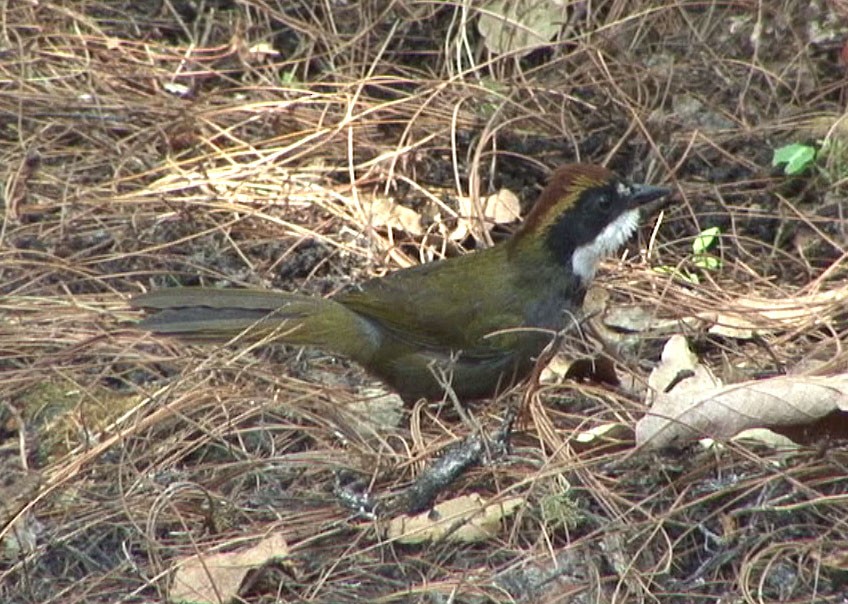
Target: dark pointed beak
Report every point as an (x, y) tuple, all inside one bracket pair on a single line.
[(643, 195)]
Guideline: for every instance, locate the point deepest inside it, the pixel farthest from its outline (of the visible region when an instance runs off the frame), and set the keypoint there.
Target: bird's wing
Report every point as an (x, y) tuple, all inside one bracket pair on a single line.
[(452, 304)]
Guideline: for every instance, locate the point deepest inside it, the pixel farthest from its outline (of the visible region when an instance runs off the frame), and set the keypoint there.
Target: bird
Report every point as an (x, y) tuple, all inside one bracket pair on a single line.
[(475, 323)]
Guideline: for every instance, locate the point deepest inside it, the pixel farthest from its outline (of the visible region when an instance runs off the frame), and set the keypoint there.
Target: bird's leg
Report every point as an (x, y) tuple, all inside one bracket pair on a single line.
[(533, 383), (444, 376)]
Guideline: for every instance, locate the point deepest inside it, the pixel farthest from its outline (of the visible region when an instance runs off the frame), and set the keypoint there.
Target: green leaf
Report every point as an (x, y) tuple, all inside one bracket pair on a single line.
[(289, 77), (681, 274), (705, 240), (707, 262), (796, 156), (690, 278)]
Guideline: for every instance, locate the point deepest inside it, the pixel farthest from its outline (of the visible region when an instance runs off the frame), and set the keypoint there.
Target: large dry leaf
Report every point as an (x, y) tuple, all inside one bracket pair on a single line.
[(520, 25), (688, 403), (215, 578)]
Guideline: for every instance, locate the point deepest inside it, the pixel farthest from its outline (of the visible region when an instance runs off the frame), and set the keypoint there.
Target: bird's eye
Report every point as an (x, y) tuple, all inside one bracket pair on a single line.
[(603, 200)]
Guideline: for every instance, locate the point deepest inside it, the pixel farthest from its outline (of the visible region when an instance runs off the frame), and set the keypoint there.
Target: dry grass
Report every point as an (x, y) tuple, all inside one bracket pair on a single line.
[(147, 143)]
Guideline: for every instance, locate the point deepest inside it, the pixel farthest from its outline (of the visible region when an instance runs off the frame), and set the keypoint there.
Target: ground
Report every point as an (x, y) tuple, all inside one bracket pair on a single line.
[(222, 143)]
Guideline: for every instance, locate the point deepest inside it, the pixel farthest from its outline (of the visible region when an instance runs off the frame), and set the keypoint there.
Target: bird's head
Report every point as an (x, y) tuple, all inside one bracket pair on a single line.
[(585, 213)]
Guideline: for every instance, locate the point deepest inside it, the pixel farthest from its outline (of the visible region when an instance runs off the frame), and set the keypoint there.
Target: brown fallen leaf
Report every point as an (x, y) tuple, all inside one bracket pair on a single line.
[(688, 403), (519, 25), (467, 519), (501, 207), (385, 212), (749, 316), (215, 578)]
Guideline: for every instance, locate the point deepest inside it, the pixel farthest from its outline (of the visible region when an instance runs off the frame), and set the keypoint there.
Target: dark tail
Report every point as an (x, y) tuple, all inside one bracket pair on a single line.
[(205, 314)]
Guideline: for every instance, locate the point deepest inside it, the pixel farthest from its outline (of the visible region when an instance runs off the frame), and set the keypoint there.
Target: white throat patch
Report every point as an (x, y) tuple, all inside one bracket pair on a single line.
[(585, 260)]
